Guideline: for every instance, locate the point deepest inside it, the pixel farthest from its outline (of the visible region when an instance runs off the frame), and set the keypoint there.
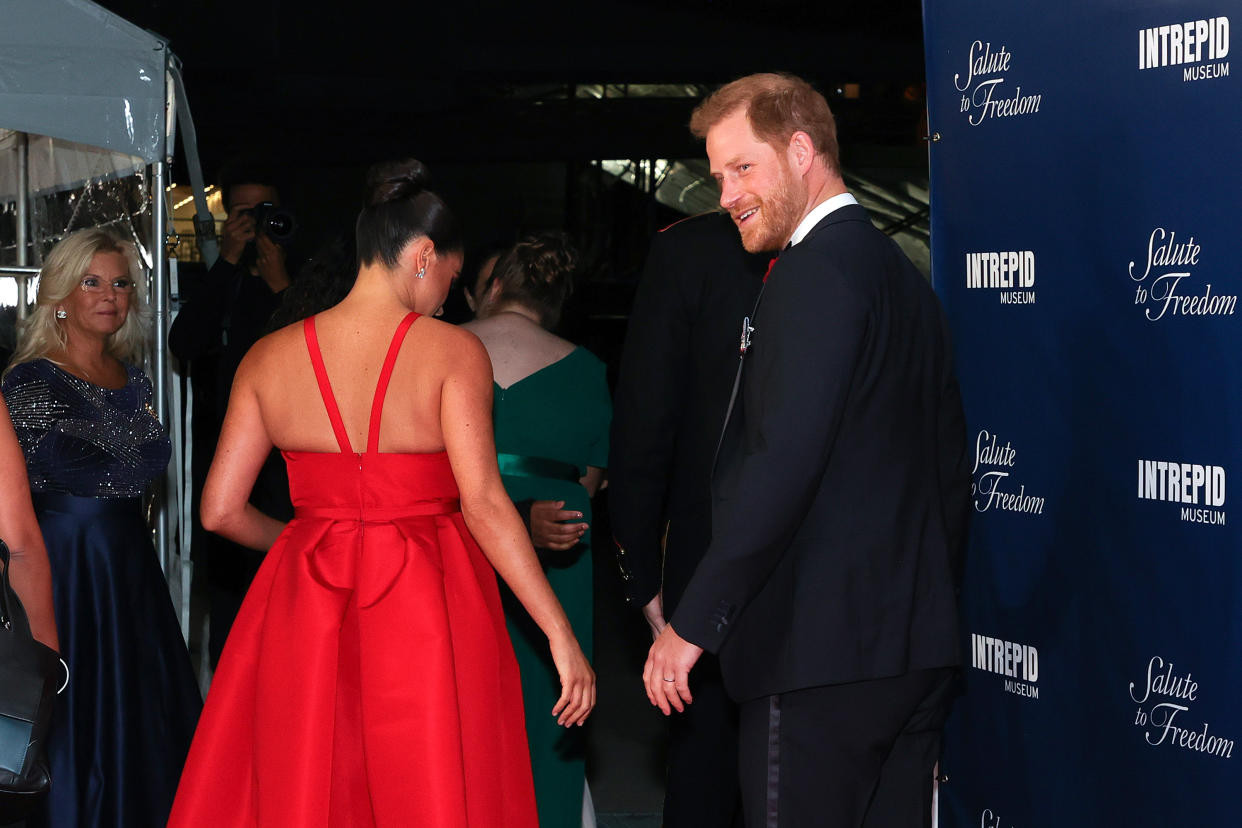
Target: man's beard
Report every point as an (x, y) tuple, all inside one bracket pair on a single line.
[(777, 218)]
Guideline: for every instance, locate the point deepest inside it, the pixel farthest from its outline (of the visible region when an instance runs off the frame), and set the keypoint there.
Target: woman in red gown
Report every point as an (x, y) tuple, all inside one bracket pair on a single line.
[(369, 679)]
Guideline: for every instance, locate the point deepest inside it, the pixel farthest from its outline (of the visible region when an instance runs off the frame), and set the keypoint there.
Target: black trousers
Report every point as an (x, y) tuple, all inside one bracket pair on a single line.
[(857, 755), (701, 786)]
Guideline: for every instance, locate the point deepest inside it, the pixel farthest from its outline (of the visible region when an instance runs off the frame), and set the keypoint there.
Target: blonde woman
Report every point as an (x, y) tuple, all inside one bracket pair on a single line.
[(81, 408)]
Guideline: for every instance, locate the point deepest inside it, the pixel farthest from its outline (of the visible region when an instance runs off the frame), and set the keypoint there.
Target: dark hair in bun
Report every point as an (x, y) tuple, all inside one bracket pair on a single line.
[(400, 209), (537, 273)]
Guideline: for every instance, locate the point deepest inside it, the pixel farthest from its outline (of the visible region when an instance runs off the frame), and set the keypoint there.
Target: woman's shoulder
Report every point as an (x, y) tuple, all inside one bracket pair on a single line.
[(450, 352), (35, 370), (587, 360), (136, 374), (280, 344), (34, 389), (291, 335), (446, 336), (563, 344)]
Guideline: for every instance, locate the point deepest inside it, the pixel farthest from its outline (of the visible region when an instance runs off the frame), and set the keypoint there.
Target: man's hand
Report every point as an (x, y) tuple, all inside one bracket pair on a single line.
[(654, 613), (666, 675), (548, 532), (238, 231), (271, 263)]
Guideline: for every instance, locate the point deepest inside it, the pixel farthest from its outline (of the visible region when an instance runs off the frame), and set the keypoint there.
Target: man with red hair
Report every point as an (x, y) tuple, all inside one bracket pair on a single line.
[(840, 491)]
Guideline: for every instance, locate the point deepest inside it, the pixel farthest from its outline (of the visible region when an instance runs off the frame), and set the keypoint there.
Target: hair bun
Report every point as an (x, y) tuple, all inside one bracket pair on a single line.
[(550, 257), (395, 180)]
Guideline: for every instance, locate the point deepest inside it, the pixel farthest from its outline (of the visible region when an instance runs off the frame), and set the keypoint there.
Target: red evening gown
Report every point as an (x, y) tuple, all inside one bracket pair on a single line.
[(368, 679)]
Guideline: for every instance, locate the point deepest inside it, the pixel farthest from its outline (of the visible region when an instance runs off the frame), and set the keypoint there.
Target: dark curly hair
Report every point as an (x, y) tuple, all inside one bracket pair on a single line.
[(322, 282), (537, 272)]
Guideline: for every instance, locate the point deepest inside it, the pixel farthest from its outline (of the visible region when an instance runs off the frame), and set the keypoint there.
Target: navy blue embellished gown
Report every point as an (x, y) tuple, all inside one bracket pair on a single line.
[(123, 726)]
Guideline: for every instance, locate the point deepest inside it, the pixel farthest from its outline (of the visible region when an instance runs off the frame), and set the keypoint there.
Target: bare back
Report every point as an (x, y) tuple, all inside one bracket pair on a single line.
[(354, 348), (517, 346)]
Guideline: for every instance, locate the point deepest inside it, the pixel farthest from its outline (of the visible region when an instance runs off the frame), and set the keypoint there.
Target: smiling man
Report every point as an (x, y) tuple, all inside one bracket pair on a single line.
[(840, 491)]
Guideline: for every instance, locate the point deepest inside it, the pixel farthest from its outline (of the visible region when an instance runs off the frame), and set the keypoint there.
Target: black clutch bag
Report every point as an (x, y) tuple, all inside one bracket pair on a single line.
[(29, 675)]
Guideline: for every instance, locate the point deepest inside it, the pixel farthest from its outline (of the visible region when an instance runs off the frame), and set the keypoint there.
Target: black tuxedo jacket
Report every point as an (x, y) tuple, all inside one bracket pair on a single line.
[(841, 487), (680, 357)]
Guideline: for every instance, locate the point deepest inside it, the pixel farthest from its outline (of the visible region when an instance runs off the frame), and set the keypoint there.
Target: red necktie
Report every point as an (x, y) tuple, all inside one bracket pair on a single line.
[(771, 265)]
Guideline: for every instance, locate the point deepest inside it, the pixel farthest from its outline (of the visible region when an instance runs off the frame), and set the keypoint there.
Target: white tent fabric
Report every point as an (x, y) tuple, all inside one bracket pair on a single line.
[(55, 165), (73, 70)]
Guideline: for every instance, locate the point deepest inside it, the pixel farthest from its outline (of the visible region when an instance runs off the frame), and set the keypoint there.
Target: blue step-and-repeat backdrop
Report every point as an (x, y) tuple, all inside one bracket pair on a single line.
[(1086, 193)]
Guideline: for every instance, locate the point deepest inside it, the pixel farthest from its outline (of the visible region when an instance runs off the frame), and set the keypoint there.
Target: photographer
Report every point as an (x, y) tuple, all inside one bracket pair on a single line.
[(227, 311), (222, 315)]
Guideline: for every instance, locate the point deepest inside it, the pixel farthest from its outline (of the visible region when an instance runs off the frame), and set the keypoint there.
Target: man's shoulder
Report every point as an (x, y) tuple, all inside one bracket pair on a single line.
[(710, 222), (705, 247), (851, 248), (844, 238), (851, 221), (712, 230)]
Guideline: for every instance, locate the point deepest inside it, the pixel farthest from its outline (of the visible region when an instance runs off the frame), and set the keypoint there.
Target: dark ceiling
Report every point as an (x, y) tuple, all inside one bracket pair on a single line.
[(488, 81)]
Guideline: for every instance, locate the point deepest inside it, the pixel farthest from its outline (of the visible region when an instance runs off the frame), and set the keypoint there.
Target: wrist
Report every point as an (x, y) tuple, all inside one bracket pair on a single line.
[(562, 634)]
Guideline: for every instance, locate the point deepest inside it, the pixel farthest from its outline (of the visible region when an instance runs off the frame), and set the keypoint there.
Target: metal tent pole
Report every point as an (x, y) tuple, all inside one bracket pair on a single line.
[(23, 218), (159, 290)]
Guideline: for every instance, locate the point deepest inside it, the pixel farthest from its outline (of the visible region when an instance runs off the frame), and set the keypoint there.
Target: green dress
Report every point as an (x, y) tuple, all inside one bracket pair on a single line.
[(550, 426)]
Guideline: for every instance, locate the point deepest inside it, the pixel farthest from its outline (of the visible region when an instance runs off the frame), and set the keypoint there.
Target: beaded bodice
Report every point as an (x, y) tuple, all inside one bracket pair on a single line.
[(83, 439)]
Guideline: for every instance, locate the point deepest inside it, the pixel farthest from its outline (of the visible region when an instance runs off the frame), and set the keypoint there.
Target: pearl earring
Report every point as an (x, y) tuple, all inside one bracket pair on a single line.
[(61, 313), (420, 273)]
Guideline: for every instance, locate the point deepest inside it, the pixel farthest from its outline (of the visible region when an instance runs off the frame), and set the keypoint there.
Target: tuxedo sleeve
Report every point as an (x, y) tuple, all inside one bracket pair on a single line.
[(651, 388), (810, 334)]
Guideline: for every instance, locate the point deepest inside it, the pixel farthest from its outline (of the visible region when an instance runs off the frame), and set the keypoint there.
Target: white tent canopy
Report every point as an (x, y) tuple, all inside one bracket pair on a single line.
[(72, 70), (54, 164)]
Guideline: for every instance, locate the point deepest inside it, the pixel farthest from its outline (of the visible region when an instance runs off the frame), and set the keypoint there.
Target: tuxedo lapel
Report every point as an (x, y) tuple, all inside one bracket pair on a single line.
[(746, 329)]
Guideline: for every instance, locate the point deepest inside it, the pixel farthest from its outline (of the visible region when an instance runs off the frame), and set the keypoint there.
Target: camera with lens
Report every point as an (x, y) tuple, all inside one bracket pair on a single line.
[(275, 222)]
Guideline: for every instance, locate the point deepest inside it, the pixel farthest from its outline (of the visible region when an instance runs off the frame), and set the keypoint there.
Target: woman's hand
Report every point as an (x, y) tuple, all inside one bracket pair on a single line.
[(577, 682), (549, 528)]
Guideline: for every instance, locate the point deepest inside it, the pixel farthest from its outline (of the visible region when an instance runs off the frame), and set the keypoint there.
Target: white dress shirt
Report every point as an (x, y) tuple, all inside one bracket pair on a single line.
[(818, 212)]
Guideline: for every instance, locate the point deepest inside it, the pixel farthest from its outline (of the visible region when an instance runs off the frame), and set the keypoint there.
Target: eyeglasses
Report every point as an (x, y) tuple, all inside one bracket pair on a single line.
[(94, 284)]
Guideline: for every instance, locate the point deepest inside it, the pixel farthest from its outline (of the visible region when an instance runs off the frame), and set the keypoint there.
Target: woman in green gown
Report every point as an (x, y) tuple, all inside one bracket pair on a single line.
[(552, 411)]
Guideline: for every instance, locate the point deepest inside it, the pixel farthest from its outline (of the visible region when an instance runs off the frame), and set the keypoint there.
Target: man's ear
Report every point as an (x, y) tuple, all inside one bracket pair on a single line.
[(801, 151)]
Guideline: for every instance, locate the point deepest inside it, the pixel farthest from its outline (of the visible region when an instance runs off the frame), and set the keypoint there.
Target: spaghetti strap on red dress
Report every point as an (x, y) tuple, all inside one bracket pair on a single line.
[(368, 679)]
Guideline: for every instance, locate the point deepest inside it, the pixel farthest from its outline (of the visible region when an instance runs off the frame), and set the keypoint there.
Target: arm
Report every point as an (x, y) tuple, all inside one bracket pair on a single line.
[(549, 521), (271, 264), (243, 447), (809, 337), (592, 480), (466, 418), (29, 572), (650, 394)]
